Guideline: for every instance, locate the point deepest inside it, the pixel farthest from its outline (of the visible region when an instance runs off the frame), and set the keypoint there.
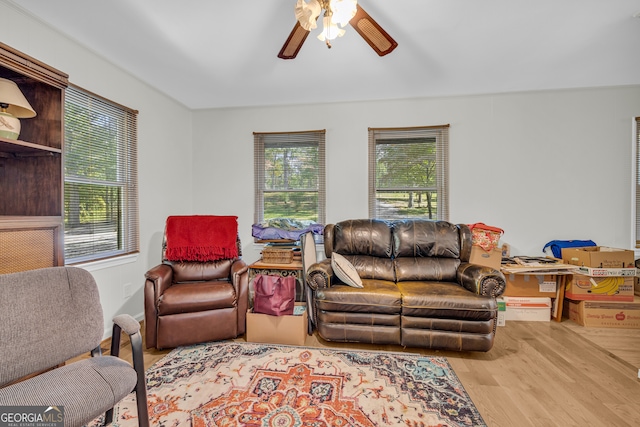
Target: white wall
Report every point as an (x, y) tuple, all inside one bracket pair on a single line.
[(541, 165), (164, 162)]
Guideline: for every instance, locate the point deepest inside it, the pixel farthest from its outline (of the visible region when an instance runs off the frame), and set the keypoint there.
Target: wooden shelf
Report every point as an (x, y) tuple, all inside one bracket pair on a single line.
[(23, 148), (32, 169)]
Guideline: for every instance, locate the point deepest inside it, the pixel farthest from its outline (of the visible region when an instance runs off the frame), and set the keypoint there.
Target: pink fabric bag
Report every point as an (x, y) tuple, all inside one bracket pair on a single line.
[(274, 295)]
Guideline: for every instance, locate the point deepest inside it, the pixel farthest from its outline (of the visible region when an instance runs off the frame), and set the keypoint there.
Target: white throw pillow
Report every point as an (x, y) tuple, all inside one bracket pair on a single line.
[(345, 270)]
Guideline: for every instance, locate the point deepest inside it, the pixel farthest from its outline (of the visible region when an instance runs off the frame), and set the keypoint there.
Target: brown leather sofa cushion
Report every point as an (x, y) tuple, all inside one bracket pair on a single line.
[(372, 267), (434, 269), (445, 301), (363, 237), (426, 239), (377, 296), (200, 296)]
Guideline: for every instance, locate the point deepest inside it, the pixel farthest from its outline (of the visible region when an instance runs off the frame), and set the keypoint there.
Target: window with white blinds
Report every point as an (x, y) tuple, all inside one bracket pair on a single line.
[(100, 178), (637, 187), (290, 176), (408, 169)]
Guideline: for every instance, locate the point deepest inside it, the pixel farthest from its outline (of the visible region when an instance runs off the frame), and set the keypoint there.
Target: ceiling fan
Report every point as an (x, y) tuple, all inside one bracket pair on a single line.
[(337, 14)]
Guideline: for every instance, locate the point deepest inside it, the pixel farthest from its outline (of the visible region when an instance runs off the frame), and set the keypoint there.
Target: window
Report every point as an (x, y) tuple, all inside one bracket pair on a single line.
[(289, 176), (408, 172), (100, 178), (637, 187)]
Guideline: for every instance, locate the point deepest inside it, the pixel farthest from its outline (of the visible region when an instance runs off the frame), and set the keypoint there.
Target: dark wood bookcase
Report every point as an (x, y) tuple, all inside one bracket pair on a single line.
[(32, 170)]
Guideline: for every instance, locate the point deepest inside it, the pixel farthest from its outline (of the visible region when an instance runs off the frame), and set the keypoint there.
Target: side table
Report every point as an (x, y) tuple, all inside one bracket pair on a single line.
[(283, 270)]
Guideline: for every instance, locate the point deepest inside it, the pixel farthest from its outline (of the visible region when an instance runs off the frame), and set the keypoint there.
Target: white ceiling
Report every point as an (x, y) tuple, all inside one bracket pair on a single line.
[(207, 53)]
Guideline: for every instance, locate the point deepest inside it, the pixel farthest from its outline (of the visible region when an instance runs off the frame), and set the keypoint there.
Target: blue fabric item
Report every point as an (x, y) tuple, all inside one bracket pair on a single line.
[(284, 228), (557, 245)]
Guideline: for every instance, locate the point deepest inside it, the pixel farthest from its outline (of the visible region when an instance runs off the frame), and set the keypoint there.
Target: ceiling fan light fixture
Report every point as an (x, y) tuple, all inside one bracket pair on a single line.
[(307, 13), (343, 11), (330, 30), (337, 14)]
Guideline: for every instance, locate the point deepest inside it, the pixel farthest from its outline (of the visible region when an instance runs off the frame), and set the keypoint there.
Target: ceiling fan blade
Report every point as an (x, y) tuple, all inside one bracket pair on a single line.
[(294, 42), (372, 33)]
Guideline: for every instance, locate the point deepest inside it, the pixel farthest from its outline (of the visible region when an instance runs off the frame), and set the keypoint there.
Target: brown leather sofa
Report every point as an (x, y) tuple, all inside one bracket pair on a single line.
[(193, 302), (419, 290)]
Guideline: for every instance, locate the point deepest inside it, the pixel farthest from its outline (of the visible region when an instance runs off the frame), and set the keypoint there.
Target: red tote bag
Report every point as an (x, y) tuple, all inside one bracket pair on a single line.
[(274, 295)]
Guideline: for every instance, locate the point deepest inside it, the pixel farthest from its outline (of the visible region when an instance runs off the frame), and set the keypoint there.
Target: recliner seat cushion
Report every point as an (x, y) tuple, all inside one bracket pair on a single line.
[(194, 297), (376, 296), (445, 301)]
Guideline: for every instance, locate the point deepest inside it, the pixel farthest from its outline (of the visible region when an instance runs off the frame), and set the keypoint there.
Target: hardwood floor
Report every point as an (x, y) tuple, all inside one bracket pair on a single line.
[(537, 374)]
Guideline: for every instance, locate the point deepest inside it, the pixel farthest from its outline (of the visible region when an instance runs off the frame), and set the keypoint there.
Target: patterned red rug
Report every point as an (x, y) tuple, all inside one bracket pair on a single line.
[(244, 384)]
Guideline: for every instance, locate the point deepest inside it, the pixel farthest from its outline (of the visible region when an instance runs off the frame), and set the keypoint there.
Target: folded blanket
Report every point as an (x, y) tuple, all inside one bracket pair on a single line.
[(201, 237)]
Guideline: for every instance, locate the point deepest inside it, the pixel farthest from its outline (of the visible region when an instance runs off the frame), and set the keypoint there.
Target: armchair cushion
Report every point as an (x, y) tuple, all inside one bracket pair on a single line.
[(198, 296), (200, 271)]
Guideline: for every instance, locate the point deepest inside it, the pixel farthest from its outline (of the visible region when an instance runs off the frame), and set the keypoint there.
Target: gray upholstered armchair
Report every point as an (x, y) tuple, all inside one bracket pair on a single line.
[(49, 316)]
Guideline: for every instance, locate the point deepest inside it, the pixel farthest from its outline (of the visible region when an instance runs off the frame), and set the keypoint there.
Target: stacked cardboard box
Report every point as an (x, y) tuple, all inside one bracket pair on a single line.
[(604, 274), (601, 314), (533, 309), (601, 292)]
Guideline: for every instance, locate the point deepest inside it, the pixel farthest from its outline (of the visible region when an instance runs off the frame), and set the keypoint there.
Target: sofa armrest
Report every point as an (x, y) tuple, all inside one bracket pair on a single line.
[(319, 275), (481, 280)]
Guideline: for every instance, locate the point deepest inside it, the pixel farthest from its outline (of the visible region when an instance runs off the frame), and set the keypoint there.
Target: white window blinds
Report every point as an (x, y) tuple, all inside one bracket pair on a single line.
[(408, 169), (101, 180), (290, 175)]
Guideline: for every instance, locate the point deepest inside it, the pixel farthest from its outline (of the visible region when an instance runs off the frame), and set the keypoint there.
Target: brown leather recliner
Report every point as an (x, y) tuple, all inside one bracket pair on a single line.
[(193, 302), (419, 289)]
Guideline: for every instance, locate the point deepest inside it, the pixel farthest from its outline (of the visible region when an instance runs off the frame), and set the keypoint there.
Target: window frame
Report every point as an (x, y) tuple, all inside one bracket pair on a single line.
[(441, 135), (261, 139), (126, 181)]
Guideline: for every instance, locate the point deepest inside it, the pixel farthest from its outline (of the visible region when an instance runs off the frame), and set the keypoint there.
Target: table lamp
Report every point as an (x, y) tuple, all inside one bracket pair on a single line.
[(13, 106)]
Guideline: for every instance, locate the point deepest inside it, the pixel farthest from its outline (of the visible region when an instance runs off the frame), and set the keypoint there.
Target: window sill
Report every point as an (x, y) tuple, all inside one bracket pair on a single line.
[(107, 263)]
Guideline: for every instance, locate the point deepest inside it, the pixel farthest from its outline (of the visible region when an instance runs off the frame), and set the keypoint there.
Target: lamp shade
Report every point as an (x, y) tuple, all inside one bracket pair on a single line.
[(18, 106)]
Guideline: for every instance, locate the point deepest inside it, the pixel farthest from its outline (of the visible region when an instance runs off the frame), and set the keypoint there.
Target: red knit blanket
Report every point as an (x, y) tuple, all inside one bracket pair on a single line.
[(201, 237)]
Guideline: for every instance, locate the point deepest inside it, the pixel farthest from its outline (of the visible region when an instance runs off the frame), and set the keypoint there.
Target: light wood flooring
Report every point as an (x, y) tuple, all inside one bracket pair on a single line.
[(537, 374)]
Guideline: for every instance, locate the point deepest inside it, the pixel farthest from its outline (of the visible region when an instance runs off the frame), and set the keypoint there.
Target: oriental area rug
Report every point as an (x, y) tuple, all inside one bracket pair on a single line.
[(246, 384)]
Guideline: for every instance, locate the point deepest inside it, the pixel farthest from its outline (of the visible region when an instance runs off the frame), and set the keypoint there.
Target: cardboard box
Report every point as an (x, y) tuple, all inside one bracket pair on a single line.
[(290, 330), (598, 257), (530, 285), (623, 315), (502, 309), (606, 272), (488, 259), (586, 288), (528, 309)]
